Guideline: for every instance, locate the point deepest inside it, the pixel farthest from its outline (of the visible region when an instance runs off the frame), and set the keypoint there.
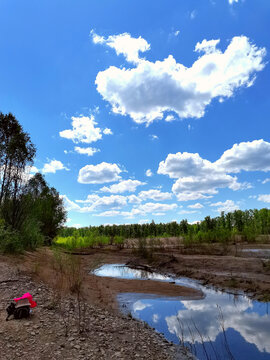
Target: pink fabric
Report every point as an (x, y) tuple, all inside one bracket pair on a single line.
[(30, 299)]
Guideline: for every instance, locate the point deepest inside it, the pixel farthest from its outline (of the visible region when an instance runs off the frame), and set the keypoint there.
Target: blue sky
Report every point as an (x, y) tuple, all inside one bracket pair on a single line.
[(142, 110)]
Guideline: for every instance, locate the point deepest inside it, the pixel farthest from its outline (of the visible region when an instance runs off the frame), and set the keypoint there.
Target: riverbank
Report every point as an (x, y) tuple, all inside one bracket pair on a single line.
[(78, 314), (62, 327), (237, 271)]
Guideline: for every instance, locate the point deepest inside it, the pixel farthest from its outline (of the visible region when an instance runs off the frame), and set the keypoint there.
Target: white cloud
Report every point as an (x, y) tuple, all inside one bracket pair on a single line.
[(68, 204), (143, 221), (265, 181), (205, 185), (90, 199), (170, 86), (106, 203), (83, 130), (208, 47), (233, 1), (153, 137), (264, 198), (156, 207), (196, 206), (123, 186), (247, 156), (185, 164), (182, 212), (109, 213), (193, 14), (133, 199), (89, 151), (107, 131), (124, 44), (148, 173), (169, 118), (155, 195), (226, 206), (189, 196), (198, 178), (132, 213), (98, 174), (53, 166), (177, 32)]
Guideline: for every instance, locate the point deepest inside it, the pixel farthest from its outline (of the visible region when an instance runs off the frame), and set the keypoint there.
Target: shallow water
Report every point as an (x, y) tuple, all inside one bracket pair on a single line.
[(266, 251), (220, 326)]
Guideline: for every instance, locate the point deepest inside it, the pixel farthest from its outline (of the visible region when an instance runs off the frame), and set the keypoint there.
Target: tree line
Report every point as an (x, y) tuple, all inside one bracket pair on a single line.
[(249, 224), (31, 212)]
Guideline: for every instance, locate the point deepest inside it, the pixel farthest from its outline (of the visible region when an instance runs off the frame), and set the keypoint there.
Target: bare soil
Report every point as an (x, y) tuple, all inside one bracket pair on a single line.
[(90, 326), (65, 326), (237, 272)]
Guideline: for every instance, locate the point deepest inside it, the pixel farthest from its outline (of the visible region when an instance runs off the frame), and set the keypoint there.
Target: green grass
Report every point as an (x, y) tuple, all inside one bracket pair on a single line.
[(80, 242)]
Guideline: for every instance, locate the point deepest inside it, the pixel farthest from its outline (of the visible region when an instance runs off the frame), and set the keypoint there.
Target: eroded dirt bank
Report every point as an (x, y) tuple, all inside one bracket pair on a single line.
[(248, 273), (57, 331)]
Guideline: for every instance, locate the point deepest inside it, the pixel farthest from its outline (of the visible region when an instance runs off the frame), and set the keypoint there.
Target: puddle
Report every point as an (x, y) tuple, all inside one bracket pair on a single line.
[(260, 253), (266, 251), (220, 326), (121, 271)]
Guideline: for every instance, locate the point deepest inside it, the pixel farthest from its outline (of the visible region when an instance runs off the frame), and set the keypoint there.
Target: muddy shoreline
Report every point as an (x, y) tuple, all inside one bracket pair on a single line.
[(57, 331), (37, 272)]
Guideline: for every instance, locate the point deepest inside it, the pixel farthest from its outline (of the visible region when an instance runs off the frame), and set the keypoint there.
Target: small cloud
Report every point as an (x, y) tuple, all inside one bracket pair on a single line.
[(155, 195), (123, 186), (226, 206), (177, 32), (265, 181), (193, 14), (148, 173), (53, 166), (107, 131), (100, 173), (264, 197), (189, 127), (252, 197), (123, 44), (89, 151), (169, 118), (83, 130), (153, 137), (68, 204), (181, 212), (109, 213), (196, 206), (143, 221)]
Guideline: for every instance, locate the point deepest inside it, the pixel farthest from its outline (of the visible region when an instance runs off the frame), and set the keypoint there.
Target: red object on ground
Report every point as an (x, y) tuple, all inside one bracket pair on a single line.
[(29, 297)]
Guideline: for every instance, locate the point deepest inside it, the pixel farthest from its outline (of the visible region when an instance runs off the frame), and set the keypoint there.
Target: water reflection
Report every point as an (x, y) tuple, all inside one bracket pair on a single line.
[(205, 324), (124, 272)]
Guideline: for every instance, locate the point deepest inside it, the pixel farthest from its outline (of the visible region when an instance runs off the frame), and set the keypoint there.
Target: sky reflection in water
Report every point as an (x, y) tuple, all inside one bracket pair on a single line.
[(246, 322)]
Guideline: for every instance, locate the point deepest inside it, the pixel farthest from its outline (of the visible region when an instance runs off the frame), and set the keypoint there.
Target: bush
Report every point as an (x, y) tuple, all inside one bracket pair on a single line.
[(9, 240), (119, 241), (30, 235)]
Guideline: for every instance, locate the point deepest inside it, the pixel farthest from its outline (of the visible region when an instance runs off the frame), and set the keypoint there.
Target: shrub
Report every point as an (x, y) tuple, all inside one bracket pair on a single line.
[(9, 240)]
